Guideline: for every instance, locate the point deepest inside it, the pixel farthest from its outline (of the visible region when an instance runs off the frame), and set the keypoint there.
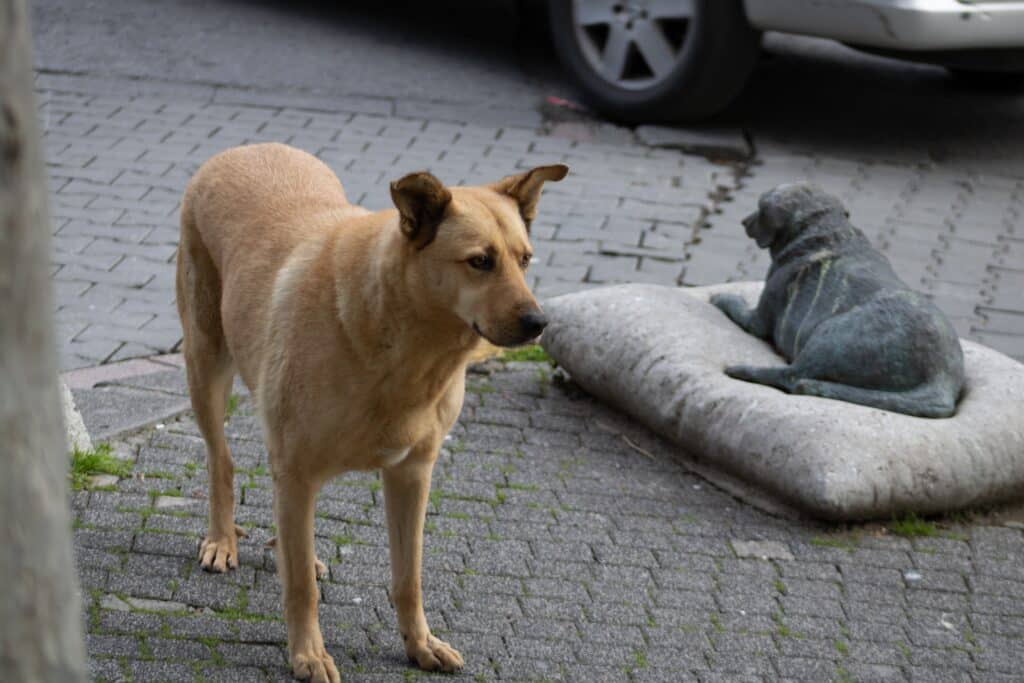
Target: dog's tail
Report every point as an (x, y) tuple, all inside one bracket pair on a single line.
[(198, 285)]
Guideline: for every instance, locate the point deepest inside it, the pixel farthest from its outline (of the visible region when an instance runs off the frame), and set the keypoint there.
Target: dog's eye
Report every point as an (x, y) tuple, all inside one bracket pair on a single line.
[(482, 262), (525, 262)]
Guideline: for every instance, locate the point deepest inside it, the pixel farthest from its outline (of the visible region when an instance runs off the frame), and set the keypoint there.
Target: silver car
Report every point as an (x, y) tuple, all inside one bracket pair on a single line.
[(642, 60)]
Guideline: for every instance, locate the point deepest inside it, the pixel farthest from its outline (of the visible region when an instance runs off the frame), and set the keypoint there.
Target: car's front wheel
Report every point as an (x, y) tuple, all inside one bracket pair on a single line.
[(655, 60)]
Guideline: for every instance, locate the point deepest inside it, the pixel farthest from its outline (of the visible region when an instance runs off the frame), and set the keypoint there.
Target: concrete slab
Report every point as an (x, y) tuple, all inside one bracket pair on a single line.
[(168, 381), (761, 550), (101, 480), (108, 411), (712, 142), (112, 602), (77, 434), (158, 605), (172, 502), (86, 378), (658, 353)]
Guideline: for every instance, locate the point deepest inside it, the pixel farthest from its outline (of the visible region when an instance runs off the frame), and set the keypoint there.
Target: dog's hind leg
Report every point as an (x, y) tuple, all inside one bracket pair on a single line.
[(925, 401), (210, 372), (778, 377)]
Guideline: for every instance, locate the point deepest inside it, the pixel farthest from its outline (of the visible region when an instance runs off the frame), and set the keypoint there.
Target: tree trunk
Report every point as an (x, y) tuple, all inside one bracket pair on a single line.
[(40, 609)]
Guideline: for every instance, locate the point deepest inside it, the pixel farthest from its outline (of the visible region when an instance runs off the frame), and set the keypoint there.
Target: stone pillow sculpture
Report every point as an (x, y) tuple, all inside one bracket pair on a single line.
[(661, 354)]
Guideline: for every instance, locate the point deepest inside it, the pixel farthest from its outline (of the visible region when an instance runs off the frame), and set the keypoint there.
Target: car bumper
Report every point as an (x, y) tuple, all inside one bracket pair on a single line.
[(907, 25)]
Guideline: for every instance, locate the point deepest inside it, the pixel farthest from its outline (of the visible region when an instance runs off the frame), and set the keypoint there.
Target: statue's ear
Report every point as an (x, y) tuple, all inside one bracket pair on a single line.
[(421, 200), (525, 188)]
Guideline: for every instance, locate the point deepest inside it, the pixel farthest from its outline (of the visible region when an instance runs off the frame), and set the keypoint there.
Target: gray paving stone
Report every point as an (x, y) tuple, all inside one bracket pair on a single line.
[(164, 672), (180, 649), (110, 410), (106, 669), (141, 586), (112, 646)]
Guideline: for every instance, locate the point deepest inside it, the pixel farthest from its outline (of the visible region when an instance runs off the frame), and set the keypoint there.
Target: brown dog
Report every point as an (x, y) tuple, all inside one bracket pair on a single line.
[(353, 331)]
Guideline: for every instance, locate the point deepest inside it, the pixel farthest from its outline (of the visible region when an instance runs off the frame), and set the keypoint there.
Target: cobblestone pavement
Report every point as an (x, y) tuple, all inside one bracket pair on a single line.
[(120, 153), (563, 543)]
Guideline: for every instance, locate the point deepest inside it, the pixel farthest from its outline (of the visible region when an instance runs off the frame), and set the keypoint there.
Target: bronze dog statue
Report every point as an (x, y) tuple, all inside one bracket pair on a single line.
[(835, 309)]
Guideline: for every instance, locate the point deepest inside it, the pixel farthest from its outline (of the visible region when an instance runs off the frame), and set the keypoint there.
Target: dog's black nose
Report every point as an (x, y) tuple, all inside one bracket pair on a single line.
[(533, 323)]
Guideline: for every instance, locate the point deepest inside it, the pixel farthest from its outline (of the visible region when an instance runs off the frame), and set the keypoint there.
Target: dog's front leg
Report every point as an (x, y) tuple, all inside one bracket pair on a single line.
[(294, 498), (735, 307), (406, 487)]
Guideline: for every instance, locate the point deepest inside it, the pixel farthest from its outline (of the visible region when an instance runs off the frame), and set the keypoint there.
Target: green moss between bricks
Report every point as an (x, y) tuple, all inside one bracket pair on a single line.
[(232, 406), (848, 543), (911, 526), (100, 460), (532, 353)]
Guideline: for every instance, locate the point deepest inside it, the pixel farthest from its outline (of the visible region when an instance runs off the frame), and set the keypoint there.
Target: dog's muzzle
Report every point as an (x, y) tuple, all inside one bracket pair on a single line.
[(751, 221), (532, 324)]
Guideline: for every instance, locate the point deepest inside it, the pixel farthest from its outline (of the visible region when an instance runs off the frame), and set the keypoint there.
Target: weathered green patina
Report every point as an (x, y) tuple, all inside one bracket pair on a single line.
[(835, 309)]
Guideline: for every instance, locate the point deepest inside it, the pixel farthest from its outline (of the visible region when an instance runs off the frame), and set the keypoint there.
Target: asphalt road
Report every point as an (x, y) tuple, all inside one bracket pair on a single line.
[(804, 94), (444, 51)]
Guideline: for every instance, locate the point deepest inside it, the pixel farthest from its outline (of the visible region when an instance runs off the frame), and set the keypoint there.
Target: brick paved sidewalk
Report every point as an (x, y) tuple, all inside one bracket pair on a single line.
[(563, 543), (120, 153)]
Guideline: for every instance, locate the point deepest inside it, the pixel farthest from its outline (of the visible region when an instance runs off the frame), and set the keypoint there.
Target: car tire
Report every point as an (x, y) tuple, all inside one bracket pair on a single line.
[(655, 60)]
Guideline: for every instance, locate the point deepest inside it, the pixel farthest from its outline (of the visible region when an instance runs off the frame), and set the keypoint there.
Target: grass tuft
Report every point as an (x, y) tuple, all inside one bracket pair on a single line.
[(532, 353), (232, 406), (84, 464), (911, 526)]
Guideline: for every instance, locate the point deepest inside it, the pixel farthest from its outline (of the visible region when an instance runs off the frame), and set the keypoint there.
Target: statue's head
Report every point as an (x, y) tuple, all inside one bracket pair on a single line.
[(783, 212)]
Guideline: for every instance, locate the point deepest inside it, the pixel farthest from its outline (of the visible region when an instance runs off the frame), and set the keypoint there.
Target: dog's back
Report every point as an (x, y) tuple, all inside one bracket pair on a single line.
[(245, 210), (836, 310), (825, 271), (271, 192)]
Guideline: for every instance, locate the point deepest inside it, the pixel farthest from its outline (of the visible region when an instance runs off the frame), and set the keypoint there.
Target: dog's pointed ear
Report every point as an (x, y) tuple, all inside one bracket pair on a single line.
[(421, 200), (525, 188)]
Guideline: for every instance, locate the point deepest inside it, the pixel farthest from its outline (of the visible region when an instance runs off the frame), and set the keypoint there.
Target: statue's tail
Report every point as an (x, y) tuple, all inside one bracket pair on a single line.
[(927, 400)]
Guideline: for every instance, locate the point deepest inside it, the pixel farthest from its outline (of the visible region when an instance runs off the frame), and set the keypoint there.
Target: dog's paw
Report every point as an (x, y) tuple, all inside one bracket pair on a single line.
[(743, 372), (315, 666), (434, 654), (722, 299), (730, 304), (321, 568), (220, 553)]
